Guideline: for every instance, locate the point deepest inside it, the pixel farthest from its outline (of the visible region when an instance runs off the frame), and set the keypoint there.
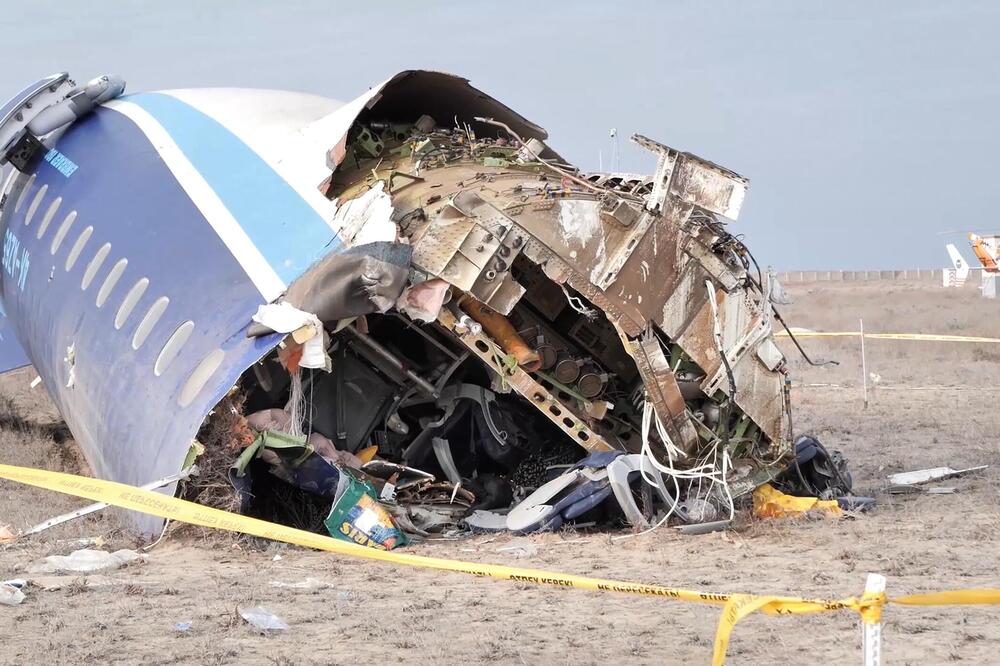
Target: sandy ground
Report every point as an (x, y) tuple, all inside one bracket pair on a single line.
[(935, 404)]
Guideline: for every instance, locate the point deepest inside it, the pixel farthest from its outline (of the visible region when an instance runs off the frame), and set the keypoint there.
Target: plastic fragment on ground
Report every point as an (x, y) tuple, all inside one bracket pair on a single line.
[(86, 561), (262, 619), (537, 507), (856, 503), (307, 584), (11, 594), (7, 534), (519, 548), (769, 502), (566, 497)]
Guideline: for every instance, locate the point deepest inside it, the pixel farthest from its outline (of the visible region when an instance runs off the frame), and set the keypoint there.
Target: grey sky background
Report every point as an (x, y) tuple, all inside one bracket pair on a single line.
[(865, 127)]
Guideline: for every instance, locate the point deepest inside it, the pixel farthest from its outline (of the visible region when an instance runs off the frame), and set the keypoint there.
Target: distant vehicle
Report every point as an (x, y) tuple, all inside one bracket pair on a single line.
[(987, 251)]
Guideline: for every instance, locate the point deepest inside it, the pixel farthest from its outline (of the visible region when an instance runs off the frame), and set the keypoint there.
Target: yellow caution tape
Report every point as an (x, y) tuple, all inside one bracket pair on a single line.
[(951, 598), (926, 337), (735, 606)]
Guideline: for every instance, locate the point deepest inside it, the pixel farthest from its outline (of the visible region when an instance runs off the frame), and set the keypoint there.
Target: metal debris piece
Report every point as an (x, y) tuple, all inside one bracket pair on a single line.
[(405, 477), (905, 489), (486, 521), (931, 474), (98, 506), (703, 528)]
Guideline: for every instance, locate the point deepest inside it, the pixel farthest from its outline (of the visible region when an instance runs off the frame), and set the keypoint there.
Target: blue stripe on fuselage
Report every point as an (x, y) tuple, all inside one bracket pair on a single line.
[(288, 231)]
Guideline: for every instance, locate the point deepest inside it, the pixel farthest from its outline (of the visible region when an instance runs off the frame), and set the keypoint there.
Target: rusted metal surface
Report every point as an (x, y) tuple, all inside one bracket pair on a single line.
[(633, 251), (662, 390), (540, 397)]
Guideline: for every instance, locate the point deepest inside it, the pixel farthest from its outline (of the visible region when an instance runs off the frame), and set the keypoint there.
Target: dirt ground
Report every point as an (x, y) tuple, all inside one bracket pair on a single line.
[(935, 404)]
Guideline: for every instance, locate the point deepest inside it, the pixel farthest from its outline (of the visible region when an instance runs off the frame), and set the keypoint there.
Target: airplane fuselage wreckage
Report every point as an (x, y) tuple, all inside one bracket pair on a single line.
[(411, 293)]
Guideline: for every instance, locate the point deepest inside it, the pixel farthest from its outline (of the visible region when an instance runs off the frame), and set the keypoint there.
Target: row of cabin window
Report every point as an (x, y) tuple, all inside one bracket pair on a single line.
[(174, 343)]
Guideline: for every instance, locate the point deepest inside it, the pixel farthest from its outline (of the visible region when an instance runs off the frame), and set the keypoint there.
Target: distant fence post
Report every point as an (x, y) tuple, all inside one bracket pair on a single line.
[(908, 274)]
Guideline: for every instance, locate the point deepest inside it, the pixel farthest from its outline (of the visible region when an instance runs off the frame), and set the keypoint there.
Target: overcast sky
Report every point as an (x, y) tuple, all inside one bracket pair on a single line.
[(865, 127)]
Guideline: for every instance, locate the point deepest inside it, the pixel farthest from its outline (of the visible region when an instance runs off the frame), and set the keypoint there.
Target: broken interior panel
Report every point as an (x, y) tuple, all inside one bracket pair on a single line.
[(507, 342)]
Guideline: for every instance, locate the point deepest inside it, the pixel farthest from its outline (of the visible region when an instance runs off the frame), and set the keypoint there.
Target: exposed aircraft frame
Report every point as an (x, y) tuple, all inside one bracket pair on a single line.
[(143, 233)]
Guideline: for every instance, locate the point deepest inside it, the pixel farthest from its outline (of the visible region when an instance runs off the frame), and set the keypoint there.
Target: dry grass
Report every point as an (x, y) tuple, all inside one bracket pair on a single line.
[(224, 435)]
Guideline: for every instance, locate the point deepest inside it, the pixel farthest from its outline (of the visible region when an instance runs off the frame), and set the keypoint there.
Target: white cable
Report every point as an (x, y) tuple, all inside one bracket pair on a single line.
[(725, 485), (578, 305), (706, 471), (296, 404)]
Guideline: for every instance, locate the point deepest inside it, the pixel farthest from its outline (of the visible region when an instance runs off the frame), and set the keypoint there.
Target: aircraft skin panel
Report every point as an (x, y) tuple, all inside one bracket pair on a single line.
[(113, 400), (290, 233), (15, 101), (12, 356), (209, 204), (287, 130)]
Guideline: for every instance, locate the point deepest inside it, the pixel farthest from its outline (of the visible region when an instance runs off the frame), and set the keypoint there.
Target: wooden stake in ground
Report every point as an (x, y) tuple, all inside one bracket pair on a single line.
[(872, 626), (864, 365)]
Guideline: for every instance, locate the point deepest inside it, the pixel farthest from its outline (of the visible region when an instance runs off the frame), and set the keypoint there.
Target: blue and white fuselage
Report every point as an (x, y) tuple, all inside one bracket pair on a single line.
[(137, 249)]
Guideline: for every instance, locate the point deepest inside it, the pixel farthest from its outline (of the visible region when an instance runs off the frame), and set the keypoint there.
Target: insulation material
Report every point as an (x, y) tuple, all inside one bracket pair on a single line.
[(424, 300), (768, 502), (359, 281), (367, 219), (284, 318)]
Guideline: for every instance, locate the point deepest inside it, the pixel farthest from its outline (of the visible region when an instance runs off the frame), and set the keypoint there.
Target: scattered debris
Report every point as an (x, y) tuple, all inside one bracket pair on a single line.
[(262, 619), (932, 474), (581, 488), (357, 516), (307, 584), (11, 592), (519, 548), (486, 521), (769, 502), (495, 339), (7, 534), (907, 489), (58, 582), (86, 561), (703, 528), (305, 328), (182, 626), (816, 472)]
